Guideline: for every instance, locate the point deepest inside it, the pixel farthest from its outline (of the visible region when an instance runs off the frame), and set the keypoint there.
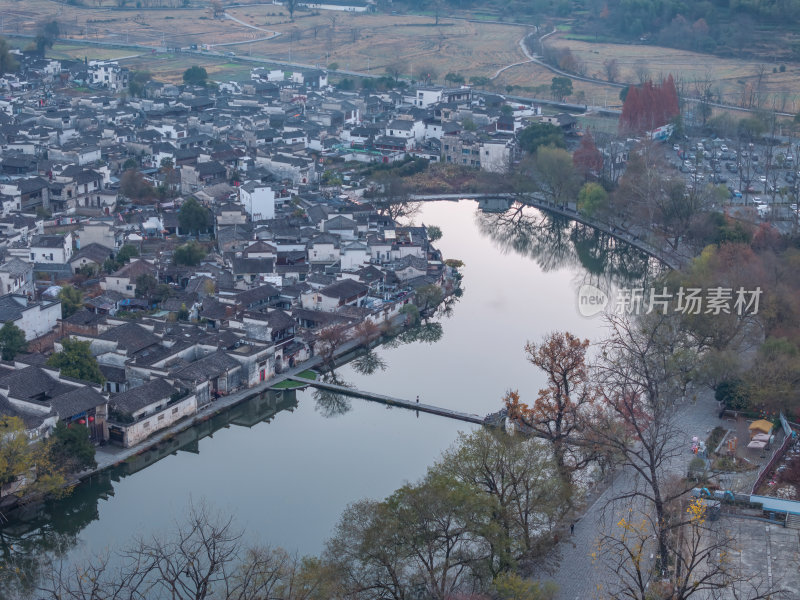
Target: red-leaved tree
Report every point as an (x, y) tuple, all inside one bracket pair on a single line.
[(649, 106)]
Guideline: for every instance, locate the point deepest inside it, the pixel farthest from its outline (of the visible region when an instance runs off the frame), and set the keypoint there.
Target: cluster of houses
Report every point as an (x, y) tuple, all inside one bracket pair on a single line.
[(289, 253)]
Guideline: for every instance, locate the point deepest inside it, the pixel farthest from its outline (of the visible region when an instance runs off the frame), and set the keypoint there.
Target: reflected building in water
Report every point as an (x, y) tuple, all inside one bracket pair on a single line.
[(47, 531)]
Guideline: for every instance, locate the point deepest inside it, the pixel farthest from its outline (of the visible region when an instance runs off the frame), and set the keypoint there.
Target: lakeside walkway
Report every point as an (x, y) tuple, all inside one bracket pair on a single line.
[(578, 573), (110, 456), (391, 401)]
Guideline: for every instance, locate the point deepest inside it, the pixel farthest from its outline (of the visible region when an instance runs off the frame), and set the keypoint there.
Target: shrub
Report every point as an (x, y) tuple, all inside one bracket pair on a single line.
[(697, 469), (733, 394)]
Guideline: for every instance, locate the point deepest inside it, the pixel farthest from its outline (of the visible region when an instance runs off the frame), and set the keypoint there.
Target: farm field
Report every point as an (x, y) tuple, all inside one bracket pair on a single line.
[(730, 78), (361, 42), (370, 42), (406, 44)]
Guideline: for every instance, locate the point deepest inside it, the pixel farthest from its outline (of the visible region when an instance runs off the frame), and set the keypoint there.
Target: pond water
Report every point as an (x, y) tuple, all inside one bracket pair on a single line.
[(286, 464)]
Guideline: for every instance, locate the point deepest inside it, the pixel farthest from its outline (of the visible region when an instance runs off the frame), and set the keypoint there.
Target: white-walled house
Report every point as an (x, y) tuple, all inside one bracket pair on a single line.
[(324, 248), (108, 74), (345, 292), (354, 255), (427, 97), (52, 249), (97, 232), (124, 280), (258, 200), (16, 277), (496, 155), (34, 318), (406, 129), (137, 413)]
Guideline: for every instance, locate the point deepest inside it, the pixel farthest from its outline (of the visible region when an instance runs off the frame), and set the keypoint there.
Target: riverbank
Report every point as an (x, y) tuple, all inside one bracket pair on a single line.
[(110, 456)]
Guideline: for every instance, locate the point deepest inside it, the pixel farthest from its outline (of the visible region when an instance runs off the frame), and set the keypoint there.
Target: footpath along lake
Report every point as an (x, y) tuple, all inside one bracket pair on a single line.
[(286, 467)]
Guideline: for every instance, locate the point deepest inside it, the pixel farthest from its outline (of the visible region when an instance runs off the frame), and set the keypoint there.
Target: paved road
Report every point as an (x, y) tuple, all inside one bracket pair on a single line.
[(577, 574)]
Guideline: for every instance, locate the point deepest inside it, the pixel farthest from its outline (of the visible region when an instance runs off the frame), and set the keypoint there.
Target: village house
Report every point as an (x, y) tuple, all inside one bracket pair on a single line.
[(36, 319), (124, 279), (138, 413)]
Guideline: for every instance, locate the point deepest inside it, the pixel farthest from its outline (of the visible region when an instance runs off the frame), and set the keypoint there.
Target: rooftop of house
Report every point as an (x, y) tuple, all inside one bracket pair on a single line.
[(344, 289), (153, 392), (48, 241), (130, 337), (94, 252)]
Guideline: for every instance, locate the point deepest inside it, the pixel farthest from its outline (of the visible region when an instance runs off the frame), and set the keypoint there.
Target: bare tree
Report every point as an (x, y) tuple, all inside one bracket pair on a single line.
[(291, 6), (641, 71), (642, 371), (758, 88), (704, 555), (611, 67), (330, 339), (203, 557), (391, 198), (396, 70)]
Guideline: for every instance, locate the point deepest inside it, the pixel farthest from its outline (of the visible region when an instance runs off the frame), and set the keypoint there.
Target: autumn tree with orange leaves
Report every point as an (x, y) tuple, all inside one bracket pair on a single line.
[(556, 414)]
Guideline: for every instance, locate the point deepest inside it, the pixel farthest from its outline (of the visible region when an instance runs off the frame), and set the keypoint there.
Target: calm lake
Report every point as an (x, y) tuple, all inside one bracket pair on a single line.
[(287, 466)]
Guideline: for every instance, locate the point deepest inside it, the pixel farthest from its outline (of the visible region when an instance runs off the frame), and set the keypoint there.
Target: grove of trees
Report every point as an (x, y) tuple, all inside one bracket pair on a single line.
[(649, 106)]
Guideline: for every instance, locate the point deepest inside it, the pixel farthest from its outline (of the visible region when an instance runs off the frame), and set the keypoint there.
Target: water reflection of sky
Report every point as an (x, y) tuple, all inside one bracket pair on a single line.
[(287, 481)]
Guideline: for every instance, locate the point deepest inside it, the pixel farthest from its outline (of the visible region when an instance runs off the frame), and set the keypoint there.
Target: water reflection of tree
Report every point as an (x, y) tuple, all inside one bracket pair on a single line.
[(36, 536), (447, 306), (368, 363), (555, 242), (328, 402)]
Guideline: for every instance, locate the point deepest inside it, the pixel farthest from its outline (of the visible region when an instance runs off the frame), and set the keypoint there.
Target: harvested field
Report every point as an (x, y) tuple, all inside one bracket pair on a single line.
[(362, 42), (376, 43), (731, 79)]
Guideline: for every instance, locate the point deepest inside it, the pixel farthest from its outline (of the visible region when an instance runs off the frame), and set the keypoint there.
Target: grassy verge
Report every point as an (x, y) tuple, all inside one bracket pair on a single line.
[(288, 384)]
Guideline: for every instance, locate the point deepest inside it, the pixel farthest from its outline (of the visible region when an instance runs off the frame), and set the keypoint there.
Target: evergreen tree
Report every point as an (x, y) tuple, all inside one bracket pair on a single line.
[(12, 341), (76, 360)]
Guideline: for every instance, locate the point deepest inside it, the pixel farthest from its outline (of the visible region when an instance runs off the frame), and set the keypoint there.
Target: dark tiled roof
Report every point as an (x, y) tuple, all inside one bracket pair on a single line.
[(10, 308), (210, 366), (32, 383), (344, 288), (130, 337), (260, 294), (113, 374), (134, 269), (213, 309), (140, 397), (48, 241), (83, 318), (77, 401), (16, 266), (94, 252), (252, 265), (30, 420)]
